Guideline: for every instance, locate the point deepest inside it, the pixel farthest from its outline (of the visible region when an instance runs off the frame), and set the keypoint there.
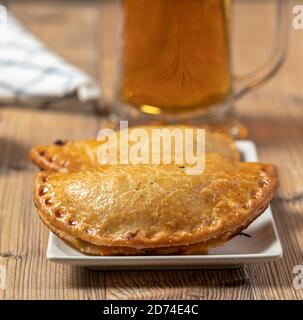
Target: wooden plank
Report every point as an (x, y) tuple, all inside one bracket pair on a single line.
[(274, 280), (189, 284), (273, 115)]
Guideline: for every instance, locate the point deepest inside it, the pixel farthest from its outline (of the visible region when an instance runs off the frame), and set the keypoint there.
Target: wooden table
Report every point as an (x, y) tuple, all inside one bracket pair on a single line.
[(273, 115)]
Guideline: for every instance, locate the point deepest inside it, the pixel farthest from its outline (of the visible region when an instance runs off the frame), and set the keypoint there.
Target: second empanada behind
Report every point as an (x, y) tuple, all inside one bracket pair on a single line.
[(83, 154)]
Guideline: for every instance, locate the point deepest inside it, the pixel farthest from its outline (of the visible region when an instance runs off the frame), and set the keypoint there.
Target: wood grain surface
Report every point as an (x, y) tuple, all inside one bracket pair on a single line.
[(273, 115)]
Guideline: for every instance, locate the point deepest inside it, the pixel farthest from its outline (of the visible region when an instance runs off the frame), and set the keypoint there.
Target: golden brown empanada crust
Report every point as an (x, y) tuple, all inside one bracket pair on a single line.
[(92, 249), (145, 206), (76, 155)]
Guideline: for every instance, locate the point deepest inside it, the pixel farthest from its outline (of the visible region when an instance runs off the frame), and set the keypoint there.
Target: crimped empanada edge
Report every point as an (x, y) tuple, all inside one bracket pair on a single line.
[(38, 158)]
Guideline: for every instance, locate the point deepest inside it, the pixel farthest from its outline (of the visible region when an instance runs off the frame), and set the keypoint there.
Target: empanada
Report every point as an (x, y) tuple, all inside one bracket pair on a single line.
[(76, 155), (134, 209)]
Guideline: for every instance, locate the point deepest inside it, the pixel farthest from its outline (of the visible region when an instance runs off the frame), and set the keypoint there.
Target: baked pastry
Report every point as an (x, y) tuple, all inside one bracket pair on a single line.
[(68, 156), (154, 209)]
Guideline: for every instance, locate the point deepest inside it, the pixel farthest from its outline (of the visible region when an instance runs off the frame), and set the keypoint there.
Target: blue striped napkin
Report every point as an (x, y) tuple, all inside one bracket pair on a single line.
[(29, 70)]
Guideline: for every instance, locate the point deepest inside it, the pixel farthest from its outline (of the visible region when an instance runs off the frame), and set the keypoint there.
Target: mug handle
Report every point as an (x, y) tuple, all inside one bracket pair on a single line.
[(253, 80)]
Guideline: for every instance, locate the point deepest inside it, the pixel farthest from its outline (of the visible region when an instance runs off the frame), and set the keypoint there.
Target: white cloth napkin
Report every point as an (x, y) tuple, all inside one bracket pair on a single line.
[(30, 70)]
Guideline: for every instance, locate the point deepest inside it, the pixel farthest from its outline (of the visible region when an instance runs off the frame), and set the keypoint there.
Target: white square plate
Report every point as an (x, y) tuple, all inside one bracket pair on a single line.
[(264, 245)]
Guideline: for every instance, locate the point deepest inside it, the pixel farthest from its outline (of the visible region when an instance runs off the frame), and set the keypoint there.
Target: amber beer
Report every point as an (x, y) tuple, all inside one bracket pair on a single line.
[(175, 54)]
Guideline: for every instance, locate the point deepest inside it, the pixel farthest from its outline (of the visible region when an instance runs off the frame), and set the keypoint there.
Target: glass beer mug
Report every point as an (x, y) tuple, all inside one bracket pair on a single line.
[(174, 62)]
